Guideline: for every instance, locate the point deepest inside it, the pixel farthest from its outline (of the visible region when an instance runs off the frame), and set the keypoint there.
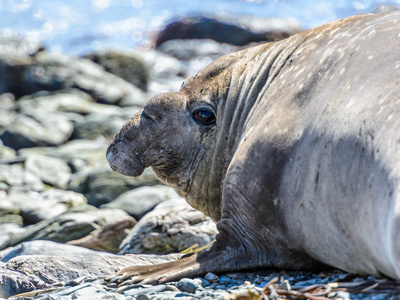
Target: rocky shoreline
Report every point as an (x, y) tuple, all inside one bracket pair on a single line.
[(64, 214)]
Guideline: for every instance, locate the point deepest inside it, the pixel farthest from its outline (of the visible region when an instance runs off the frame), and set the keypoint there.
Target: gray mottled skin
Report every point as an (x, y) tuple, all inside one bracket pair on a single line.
[(302, 167)]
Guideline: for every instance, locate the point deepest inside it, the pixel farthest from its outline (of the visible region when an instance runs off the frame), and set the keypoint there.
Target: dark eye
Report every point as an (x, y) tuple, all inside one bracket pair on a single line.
[(204, 116)]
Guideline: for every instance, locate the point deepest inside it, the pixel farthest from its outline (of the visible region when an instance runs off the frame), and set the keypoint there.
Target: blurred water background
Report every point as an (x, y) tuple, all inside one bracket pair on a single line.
[(80, 26)]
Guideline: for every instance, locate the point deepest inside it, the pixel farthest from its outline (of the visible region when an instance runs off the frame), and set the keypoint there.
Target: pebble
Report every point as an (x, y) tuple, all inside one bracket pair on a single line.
[(186, 288), (189, 285), (211, 277), (225, 280)]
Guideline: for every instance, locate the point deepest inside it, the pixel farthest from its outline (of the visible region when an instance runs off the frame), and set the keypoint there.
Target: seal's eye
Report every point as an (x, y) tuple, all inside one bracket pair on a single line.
[(204, 116)]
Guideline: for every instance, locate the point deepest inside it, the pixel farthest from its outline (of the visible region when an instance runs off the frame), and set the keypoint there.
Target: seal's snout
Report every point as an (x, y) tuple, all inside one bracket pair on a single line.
[(111, 157), (124, 160)]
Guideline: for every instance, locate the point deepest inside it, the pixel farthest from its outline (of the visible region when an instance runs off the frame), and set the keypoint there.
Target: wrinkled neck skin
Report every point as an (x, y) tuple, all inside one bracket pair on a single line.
[(190, 157)]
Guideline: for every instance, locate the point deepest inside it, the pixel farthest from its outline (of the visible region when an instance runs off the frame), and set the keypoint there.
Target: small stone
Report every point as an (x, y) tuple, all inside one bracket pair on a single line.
[(204, 282), (221, 287), (143, 297), (211, 277), (225, 280), (146, 291), (284, 285), (188, 285), (342, 295)]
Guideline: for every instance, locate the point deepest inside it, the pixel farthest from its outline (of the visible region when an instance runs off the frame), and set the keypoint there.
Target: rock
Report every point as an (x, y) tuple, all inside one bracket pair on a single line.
[(231, 30), (7, 101), (195, 54), (27, 72), (6, 152), (172, 226), (142, 200), (52, 171), (69, 226), (284, 285), (107, 238), (68, 100), (123, 64), (13, 282), (79, 154), (71, 101), (146, 291), (94, 125), (15, 53), (35, 207), (225, 280), (40, 247), (61, 71), (211, 277), (165, 71), (102, 185), (189, 285), (36, 128), (14, 176), (190, 49), (37, 271), (14, 44), (10, 225)]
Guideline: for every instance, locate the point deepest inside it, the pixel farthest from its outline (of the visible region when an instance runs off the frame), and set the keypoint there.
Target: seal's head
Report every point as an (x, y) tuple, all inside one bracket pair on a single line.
[(177, 134)]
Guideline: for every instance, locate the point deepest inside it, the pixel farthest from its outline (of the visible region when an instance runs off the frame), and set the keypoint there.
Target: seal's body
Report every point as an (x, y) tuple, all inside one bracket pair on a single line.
[(292, 147)]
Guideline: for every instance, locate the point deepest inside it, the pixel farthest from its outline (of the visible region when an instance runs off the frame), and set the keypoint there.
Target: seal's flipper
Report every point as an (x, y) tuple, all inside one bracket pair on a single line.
[(159, 273)]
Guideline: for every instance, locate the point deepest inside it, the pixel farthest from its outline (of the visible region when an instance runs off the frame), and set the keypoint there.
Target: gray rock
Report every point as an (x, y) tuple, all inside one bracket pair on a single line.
[(165, 71), (146, 291), (15, 53), (14, 176), (42, 271), (70, 100), (102, 185), (108, 237), (54, 71), (41, 247), (142, 200), (190, 49), (211, 277), (13, 282), (188, 285), (172, 226), (232, 30), (36, 128), (225, 280), (6, 152), (7, 101), (107, 125), (80, 154), (69, 226), (10, 225), (204, 282), (123, 64), (52, 171), (35, 207)]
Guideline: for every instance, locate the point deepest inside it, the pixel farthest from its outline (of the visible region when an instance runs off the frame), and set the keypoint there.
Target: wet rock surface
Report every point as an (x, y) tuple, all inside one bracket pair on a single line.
[(64, 212)]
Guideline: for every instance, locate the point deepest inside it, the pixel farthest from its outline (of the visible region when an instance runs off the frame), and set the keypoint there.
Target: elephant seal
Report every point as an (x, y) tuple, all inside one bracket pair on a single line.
[(292, 147)]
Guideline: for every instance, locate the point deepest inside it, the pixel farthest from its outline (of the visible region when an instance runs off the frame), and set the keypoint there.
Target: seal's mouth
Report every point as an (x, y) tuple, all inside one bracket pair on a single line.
[(126, 163)]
